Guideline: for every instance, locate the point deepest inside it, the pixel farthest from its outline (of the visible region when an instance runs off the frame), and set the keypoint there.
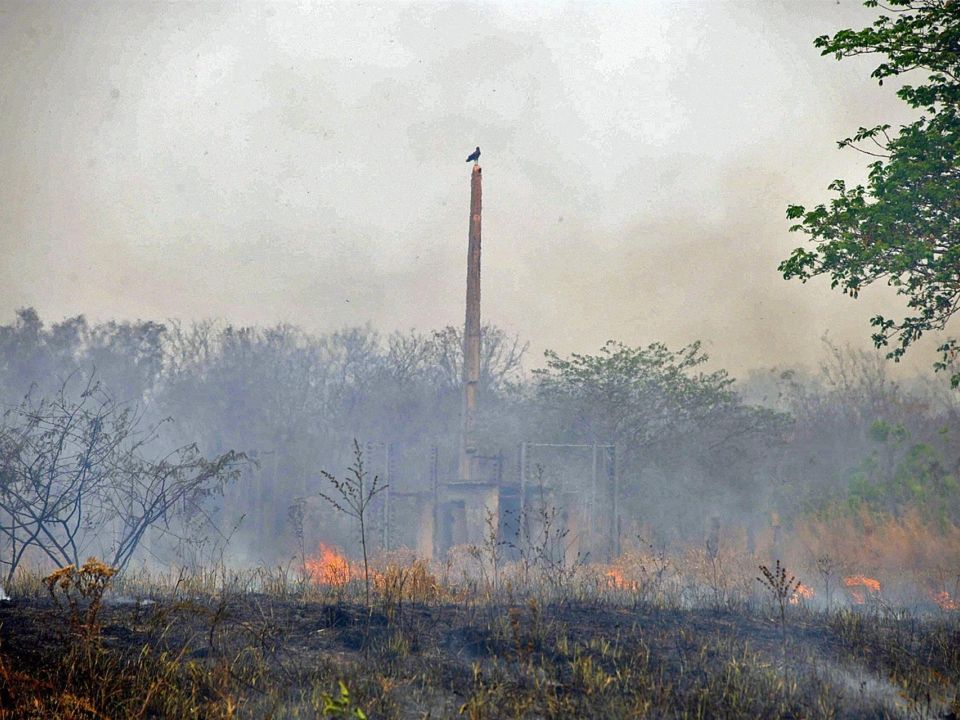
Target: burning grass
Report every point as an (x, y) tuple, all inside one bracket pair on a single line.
[(943, 600), (649, 635), (895, 560), (801, 594), (862, 589), (330, 568)]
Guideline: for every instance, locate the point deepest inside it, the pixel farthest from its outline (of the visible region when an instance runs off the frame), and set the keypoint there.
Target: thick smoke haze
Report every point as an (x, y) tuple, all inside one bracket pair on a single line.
[(271, 471), (268, 162)]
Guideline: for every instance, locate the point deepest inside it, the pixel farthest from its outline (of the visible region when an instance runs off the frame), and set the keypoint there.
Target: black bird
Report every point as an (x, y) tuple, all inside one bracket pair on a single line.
[(475, 155)]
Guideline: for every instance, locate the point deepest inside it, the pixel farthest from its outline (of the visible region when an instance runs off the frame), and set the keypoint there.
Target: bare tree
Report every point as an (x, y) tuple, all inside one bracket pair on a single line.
[(501, 360), (75, 477)]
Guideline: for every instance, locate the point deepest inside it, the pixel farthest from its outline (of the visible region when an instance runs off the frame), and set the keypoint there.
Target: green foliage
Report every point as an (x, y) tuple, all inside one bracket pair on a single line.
[(903, 227), (881, 431), (342, 705), (635, 395), (675, 423), (903, 474)]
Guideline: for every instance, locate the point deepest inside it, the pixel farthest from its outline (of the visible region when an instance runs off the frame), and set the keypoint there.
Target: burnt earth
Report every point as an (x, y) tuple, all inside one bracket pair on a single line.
[(255, 655)]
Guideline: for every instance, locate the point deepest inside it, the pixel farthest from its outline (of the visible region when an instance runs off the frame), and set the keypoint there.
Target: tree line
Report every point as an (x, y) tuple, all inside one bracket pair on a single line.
[(191, 429)]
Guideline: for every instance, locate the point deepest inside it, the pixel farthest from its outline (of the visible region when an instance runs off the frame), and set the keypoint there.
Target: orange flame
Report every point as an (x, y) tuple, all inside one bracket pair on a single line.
[(801, 593), (861, 581), (617, 581), (944, 601), (329, 567)]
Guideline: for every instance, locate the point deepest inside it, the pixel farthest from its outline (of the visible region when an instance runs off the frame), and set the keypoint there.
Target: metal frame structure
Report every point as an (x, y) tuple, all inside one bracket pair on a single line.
[(612, 476)]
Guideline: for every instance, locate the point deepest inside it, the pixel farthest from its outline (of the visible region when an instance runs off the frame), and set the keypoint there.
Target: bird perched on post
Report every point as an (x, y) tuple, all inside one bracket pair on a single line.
[(475, 155)]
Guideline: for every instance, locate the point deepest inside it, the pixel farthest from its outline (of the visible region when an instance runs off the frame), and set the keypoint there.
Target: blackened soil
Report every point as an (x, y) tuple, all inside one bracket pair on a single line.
[(433, 660)]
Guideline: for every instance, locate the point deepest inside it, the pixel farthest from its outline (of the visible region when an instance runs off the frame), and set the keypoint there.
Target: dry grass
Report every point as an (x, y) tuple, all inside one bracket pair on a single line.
[(678, 636), (913, 560)]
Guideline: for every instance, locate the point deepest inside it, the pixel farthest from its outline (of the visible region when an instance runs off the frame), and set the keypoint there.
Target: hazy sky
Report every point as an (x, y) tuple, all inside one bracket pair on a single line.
[(302, 162)]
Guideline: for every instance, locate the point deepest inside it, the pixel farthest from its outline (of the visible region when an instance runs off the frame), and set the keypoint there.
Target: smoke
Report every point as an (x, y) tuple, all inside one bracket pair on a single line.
[(304, 163)]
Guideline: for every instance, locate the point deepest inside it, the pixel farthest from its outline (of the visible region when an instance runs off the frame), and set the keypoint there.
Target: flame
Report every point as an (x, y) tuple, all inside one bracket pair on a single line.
[(801, 593), (617, 581), (944, 601), (861, 581), (329, 567)]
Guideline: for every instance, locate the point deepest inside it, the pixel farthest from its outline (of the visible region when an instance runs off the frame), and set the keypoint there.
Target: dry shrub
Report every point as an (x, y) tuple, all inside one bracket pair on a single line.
[(72, 588), (720, 573), (400, 576)]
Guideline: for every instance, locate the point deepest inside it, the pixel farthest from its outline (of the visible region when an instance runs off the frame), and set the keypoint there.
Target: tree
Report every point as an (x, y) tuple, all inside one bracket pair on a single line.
[(681, 431), (127, 357), (501, 358), (76, 478), (903, 227), (633, 395)]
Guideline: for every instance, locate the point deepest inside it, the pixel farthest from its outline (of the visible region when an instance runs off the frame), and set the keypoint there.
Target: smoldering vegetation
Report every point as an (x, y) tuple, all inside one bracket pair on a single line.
[(691, 545)]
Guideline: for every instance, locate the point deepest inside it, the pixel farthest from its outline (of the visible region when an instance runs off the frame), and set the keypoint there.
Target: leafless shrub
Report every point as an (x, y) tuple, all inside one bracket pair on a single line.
[(75, 471), (353, 495)]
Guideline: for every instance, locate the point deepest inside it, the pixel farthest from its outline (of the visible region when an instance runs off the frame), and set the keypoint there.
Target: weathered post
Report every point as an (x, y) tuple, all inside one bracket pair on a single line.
[(593, 492), (471, 334)]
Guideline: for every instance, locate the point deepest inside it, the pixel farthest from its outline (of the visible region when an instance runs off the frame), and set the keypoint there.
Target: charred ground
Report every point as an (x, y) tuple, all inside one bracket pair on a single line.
[(281, 650)]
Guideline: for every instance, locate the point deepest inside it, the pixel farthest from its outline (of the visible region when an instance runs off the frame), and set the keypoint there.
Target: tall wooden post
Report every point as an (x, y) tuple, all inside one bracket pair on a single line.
[(471, 333)]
